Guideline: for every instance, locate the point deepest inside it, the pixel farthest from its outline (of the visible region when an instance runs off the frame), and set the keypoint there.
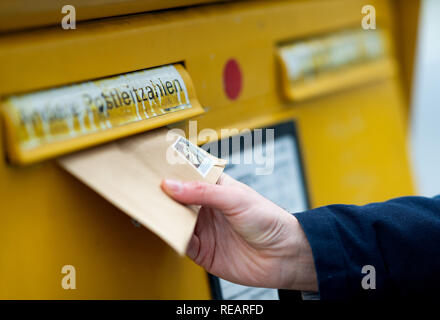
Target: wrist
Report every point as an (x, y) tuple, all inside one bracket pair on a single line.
[(299, 264)]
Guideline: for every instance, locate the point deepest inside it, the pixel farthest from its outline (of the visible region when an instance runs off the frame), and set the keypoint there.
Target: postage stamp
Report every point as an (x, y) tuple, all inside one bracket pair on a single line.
[(196, 156)]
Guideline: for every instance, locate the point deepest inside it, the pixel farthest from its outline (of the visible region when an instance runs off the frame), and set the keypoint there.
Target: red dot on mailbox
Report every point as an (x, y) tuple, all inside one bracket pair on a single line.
[(232, 79)]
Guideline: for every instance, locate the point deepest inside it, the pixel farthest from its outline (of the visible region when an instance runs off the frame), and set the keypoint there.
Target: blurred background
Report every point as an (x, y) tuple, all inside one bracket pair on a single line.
[(425, 139)]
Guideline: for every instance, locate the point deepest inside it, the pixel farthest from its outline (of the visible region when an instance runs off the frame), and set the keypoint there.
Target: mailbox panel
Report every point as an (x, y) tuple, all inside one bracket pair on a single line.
[(352, 140)]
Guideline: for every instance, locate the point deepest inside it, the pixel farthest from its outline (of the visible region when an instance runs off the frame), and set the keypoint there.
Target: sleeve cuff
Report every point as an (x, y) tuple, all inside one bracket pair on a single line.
[(319, 226)]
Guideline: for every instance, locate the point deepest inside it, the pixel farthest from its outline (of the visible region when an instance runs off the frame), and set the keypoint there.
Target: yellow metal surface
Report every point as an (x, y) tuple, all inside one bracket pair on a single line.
[(21, 14), (352, 140), (340, 80), (406, 25)]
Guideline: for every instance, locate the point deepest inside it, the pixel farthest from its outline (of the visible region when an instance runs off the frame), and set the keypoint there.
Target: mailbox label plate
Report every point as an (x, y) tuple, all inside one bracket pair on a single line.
[(58, 115)]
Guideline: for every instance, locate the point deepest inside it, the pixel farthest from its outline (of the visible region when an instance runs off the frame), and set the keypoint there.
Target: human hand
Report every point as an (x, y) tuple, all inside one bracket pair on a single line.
[(243, 237)]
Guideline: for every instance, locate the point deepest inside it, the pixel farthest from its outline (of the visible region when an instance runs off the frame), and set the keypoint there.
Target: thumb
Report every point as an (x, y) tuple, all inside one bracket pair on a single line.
[(226, 198)]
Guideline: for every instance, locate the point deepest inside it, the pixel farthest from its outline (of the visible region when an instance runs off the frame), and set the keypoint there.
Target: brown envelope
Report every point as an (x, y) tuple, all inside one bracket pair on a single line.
[(128, 173)]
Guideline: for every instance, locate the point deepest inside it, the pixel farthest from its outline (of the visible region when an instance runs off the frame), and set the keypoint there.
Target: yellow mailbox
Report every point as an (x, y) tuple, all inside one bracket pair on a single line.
[(249, 64)]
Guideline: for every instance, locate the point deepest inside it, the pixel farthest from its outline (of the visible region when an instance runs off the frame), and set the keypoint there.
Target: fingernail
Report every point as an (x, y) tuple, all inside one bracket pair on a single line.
[(173, 185)]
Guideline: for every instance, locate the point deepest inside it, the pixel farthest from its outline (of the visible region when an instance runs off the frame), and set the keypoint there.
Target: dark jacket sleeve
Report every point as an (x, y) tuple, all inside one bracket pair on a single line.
[(400, 238)]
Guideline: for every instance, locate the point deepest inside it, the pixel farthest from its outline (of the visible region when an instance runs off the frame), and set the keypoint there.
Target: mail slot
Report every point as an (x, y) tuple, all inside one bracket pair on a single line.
[(243, 66), (329, 63), (52, 122)]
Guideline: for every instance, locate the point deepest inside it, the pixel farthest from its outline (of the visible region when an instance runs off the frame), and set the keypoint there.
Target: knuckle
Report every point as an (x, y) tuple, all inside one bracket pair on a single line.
[(200, 189), (245, 198), (241, 193), (198, 186)]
